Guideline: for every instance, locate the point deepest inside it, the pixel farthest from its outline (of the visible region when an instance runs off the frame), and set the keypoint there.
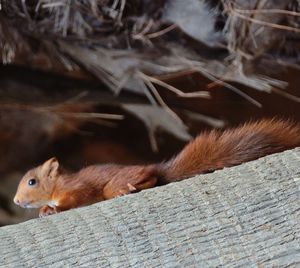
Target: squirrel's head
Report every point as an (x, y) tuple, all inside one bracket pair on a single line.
[(36, 187)]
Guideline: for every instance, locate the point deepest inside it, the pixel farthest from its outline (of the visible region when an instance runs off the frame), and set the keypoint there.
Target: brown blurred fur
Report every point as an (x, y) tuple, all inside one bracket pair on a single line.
[(57, 190)]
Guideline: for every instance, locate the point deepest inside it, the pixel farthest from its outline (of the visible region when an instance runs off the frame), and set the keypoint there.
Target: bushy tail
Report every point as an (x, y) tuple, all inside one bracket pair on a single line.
[(216, 149)]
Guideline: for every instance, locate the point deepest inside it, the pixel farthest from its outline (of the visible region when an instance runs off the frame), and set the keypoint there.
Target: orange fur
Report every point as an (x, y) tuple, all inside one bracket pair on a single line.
[(217, 149), (57, 190)]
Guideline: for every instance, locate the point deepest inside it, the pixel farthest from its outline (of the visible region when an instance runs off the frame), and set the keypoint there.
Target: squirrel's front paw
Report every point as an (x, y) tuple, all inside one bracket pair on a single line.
[(47, 210)]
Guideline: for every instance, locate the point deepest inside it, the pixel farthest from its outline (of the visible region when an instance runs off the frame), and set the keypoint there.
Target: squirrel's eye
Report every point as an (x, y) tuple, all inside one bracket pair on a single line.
[(32, 182)]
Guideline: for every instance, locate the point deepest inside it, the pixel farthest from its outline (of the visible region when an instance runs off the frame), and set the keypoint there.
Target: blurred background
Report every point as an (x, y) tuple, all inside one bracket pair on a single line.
[(131, 81)]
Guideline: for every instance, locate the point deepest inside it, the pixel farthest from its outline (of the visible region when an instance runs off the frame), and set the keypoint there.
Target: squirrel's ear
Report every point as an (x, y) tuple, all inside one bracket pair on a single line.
[(50, 168)]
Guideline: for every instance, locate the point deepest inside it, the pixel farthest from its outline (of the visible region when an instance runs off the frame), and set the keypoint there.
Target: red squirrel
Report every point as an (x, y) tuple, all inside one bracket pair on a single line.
[(54, 189)]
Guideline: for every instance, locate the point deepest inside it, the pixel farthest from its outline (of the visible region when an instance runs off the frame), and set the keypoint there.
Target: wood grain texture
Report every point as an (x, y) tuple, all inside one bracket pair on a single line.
[(245, 216)]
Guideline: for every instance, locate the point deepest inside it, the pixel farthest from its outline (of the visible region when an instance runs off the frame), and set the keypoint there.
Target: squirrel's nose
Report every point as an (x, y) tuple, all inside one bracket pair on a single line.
[(16, 201)]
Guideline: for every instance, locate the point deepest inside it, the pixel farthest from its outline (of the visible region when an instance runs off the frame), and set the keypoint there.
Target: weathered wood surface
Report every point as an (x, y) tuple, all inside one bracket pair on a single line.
[(246, 216)]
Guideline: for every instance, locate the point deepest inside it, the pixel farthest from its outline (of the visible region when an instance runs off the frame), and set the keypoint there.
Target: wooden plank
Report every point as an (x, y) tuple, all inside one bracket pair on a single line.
[(245, 216)]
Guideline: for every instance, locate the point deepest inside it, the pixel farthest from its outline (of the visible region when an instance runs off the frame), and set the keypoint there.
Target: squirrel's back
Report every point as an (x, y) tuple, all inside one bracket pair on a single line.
[(217, 149)]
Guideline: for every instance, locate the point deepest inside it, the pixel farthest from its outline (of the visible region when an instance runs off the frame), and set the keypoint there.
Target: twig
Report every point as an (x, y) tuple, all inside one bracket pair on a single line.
[(161, 101), (285, 94), (148, 93), (269, 24), (201, 94), (263, 11), (53, 109), (196, 66), (143, 35), (121, 10), (145, 30), (50, 5), (161, 32), (260, 22), (91, 115), (153, 141), (24, 7), (77, 97)]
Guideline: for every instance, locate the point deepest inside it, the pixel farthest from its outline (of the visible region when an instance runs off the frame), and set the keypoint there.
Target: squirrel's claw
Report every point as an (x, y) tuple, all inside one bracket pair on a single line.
[(46, 211)]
